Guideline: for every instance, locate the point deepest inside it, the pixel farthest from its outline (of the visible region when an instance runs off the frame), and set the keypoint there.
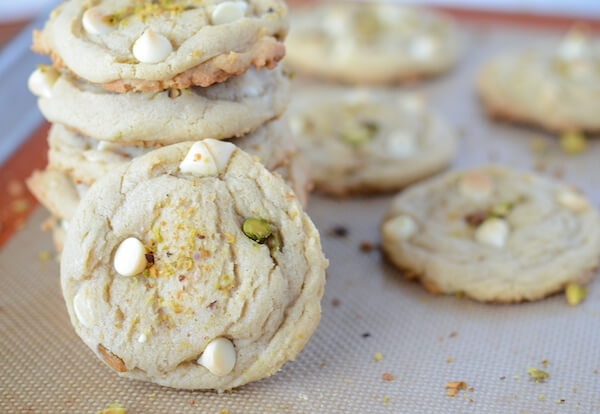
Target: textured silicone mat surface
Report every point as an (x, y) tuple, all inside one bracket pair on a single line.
[(369, 311)]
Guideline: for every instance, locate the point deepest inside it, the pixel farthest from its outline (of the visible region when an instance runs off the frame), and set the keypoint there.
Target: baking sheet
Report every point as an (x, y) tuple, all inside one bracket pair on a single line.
[(369, 311)]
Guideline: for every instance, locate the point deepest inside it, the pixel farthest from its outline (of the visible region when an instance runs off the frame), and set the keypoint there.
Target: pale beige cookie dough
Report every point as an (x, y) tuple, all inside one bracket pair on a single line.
[(229, 109), (87, 159), (493, 234), (368, 140), (193, 267), (57, 192), (370, 43), (146, 45), (555, 88)]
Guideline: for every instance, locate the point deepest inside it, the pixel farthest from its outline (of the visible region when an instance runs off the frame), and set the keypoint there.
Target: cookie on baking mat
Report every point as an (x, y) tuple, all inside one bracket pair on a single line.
[(555, 88), (87, 159), (370, 43), (368, 140), (494, 234), (151, 46), (229, 109), (193, 267)]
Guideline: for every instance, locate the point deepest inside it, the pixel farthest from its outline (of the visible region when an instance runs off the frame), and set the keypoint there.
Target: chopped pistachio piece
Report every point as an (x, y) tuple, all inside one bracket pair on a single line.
[(368, 26), (537, 375), (573, 142), (575, 294), (257, 229), (358, 134), (501, 210)]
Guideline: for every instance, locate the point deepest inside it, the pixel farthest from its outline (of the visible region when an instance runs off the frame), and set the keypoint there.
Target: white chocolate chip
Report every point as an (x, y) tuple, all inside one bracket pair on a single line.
[(142, 338), (130, 257), (94, 22), (82, 305), (401, 144), (402, 226), (422, 48), (219, 357), (228, 11), (572, 200), (199, 161), (207, 157), (221, 152), (492, 232), (475, 185), (42, 80), (152, 47), (573, 47), (297, 125)]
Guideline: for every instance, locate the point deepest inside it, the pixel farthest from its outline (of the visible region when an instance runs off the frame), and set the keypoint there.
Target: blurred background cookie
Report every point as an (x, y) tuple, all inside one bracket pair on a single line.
[(370, 43)]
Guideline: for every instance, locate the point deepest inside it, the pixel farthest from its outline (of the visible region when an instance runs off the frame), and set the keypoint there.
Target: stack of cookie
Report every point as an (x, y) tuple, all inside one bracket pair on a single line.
[(215, 273), (131, 75)]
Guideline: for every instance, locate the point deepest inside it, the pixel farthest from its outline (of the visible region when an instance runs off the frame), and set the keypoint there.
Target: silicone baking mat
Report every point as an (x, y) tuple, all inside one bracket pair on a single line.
[(384, 345)]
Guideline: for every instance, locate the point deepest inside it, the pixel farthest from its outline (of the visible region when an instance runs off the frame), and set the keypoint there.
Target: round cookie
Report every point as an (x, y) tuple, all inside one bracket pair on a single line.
[(87, 159), (370, 43), (493, 234), (152, 46), (556, 89), (368, 140), (229, 109), (193, 267)]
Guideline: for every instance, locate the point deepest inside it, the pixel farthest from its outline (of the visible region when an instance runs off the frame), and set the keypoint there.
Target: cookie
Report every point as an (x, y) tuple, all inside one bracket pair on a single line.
[(57, 192), (87, 159), (228, 109), (193, 267), (370, 43), (142, 45), (368, 140), (555, 88), (493, 234)]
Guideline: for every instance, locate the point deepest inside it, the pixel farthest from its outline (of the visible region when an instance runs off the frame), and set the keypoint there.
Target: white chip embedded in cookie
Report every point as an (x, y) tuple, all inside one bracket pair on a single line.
[(152, 46), (229, 109), (554, 88), (370, 43), (530, 237), (193, 280), (368, 140)]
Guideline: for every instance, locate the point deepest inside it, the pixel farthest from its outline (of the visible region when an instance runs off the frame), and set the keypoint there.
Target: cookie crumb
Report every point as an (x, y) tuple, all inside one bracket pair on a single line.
[(537, 375), (378, 356), (115, 408), (575, 294), (366, 246), (573, 142), (338, 231), (453, 334), (386, 399), (335, 302), (453, 387), (387, 376)]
